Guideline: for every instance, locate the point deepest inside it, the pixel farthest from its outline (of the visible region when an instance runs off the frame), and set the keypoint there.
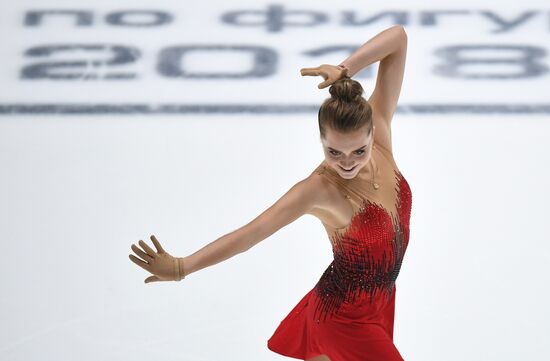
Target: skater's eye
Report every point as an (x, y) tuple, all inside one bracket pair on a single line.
[(358, 152), (335, 152)]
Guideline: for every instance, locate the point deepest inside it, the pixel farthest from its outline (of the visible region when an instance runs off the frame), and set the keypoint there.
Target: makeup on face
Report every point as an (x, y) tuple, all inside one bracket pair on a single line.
[(348, 170), (336, 157), (346, 163)]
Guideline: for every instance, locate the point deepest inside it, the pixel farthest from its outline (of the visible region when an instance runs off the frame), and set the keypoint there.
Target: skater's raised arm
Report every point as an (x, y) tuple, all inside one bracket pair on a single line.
[(390, 48), (297, 201)]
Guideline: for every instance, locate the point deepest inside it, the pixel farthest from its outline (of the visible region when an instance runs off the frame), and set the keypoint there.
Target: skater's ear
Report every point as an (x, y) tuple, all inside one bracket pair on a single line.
[(297, 201)]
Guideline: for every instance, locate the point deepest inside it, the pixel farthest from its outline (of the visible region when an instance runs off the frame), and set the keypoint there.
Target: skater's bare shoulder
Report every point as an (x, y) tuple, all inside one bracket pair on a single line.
[(302, 198)]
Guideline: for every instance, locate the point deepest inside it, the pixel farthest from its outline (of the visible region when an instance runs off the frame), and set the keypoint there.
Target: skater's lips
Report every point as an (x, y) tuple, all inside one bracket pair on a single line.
[(347, 170)]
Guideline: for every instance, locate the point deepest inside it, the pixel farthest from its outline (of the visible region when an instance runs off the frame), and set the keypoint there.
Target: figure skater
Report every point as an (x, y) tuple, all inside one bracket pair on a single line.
[(363, 202)]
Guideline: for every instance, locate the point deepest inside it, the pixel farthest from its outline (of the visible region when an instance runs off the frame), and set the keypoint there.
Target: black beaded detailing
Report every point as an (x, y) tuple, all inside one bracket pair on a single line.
[(367, 255)]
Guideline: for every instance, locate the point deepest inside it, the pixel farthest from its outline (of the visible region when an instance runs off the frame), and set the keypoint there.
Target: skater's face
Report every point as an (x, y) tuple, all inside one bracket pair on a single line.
[(351, 151)]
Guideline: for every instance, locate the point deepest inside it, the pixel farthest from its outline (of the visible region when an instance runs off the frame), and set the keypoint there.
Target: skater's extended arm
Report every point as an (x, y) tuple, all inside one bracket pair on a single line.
[(297, 201)]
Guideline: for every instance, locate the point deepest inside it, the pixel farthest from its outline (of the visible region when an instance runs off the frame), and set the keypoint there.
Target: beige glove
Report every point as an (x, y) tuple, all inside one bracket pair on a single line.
[(162, 265), (330, 73)]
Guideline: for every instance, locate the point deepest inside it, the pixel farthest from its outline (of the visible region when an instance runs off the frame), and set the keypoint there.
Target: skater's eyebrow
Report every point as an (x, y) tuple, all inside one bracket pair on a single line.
[(354, 150)]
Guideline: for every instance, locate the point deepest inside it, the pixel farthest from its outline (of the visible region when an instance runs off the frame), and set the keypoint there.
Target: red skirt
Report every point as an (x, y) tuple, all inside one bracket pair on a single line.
[(362, 331)]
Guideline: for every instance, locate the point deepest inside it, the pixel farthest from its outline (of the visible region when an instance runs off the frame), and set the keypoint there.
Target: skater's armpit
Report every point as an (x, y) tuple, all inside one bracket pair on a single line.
[(297, 201)]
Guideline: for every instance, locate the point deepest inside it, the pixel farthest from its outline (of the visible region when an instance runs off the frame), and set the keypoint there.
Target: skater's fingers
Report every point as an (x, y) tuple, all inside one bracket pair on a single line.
[(309, 71), (147, 249), (324, 84), (157, 244), (152, 279), (139, 262), (140, 253)]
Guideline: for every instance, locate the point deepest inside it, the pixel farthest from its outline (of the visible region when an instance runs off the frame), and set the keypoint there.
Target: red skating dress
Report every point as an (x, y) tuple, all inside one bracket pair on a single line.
[(349, 313)]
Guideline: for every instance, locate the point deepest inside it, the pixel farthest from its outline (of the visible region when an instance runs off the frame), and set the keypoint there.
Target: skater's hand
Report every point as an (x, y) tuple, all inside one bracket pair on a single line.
[(330, 73), (162, 265)]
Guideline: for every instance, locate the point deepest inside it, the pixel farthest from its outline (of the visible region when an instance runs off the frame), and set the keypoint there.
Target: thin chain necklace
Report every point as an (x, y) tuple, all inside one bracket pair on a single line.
[(374, 184)]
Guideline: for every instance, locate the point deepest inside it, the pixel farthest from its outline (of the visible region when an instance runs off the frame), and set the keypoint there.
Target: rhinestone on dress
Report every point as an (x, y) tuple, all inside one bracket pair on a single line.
[(368, 253)]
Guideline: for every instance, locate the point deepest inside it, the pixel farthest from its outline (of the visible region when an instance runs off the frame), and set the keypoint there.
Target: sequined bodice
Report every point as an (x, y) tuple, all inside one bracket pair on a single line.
[(368, 252)]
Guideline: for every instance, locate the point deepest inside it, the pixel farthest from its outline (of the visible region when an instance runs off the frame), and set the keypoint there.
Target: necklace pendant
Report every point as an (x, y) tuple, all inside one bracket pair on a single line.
[(376, 185)]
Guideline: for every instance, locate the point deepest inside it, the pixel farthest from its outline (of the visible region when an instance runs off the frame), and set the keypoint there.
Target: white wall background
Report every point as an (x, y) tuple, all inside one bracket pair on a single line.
[(77, 190)]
